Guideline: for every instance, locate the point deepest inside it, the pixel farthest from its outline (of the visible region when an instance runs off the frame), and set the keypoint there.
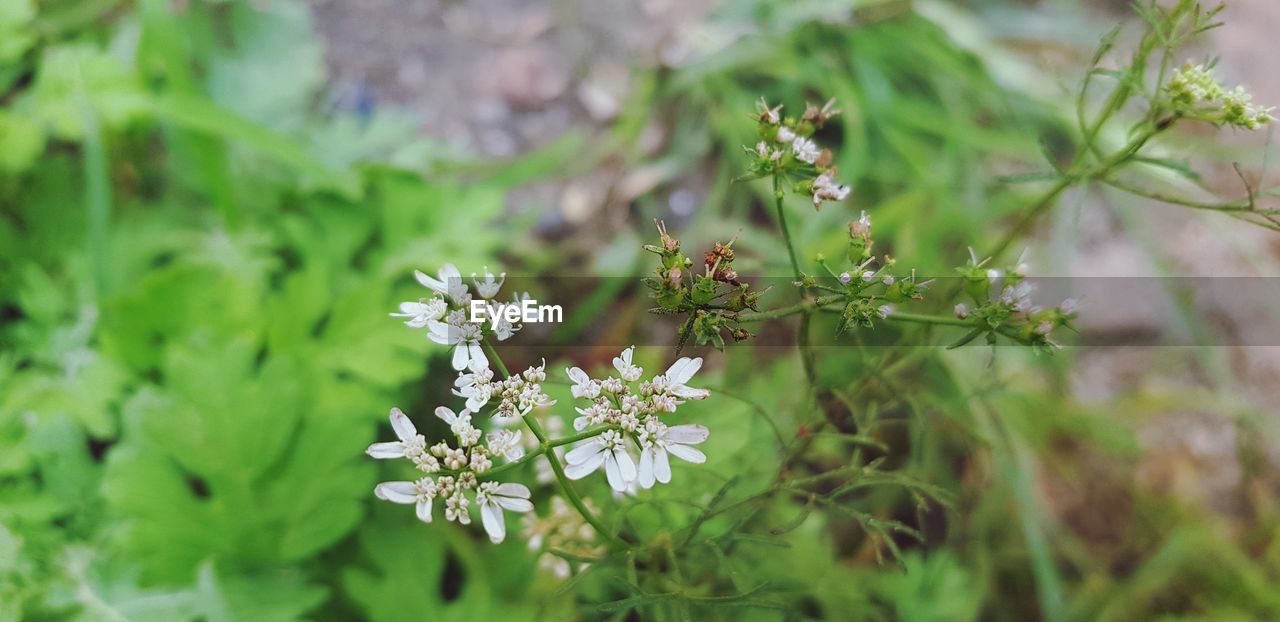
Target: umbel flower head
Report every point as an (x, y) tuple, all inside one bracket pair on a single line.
[(633, 413), (452, 472), (786, 148), (446, 314), (1196, 93)]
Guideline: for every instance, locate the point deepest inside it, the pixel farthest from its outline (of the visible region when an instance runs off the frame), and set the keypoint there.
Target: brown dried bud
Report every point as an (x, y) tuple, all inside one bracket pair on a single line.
[(825, 158)]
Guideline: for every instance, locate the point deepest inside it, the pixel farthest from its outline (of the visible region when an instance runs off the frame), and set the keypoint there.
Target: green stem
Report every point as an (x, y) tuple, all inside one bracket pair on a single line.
[(565, 486), (804, 306), (929, 319), (545, 448), (782, 224)]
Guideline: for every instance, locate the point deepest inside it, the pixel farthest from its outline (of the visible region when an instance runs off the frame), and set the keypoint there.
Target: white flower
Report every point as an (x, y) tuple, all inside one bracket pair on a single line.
[(681, 372), (506, 443), (489, 287), (884, 311), (962, 311), (460, 425), (806, 150), (421, 312), (476, 386), (846, 278), (492, 498), (785, 134), (419, 493), (467, 352), (825, 188), (449, 284), (659, 440), (626, 369), (594, 414), (411, 443), (583, 385), (502, 328), (609, 450)]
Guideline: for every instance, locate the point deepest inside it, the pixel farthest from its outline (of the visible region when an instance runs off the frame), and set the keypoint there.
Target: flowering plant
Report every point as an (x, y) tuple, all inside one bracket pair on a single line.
[(625, 425)]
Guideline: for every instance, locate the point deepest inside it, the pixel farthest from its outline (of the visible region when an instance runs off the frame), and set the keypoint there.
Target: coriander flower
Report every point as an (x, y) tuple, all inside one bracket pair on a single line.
[(477, 387), (626, 369), (680, 373), (583, 385), (492, 498), (421, 312), (806, 150), (489, 288), (419, 493), (506, 443), (785, 135), (607, 450), (411, 443), (825, 188), (465, 339), (658, 440), (449, 284), (460, 425)]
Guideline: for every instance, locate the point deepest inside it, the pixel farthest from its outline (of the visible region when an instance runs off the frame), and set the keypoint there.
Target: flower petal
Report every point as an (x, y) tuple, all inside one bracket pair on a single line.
[(645, 472), (625, 463), (449, 272), (401, 424), (479, 362), (513, 504), (577, 375), (446, 414), (460, 357), (491, 515), (683, 369), (583, 469), (382, 451), (662, 467), (396, 492), (688, 434), (428, 282), (687, 453), (512, 489), (614, 474), (424, 511), (581, 453), (688, 393)]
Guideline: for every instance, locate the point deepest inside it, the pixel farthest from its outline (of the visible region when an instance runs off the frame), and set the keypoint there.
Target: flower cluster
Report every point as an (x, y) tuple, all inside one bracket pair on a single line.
[(786, 147), (562, 530), (446, 315), (632, 408), (870, 291), (711, 297), (451, 472), (1195, 92), (1003, 305), (517, 395)]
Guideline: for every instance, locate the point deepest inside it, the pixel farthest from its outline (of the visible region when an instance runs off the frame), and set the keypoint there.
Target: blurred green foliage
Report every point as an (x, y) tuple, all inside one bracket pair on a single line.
[(197, 259)]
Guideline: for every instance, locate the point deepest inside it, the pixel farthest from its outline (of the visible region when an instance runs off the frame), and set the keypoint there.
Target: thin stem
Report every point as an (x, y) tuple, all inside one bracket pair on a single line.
[(545, 448), (565, 486), (782, 224), (804, 306), (497, 360), (929, 319)]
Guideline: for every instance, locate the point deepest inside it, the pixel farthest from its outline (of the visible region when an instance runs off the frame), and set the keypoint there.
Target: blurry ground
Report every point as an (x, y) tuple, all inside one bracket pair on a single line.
[(499, 77), (502, 77)]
